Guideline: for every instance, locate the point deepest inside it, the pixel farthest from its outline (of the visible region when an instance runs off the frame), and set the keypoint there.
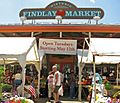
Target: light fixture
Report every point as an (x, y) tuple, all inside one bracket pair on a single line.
[(59, 19), (23, 18), (96, 18)]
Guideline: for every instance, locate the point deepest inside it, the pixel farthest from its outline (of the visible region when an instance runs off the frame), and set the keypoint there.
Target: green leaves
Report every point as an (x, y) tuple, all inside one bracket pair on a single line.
[(1, 71)]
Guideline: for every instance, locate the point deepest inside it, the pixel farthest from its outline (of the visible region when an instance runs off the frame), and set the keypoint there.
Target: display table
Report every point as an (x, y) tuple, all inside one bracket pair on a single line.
[(116, 87)]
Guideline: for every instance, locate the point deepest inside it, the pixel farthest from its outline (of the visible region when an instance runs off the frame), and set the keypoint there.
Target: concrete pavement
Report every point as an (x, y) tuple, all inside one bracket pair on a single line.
[(63, 100), (70, 102)]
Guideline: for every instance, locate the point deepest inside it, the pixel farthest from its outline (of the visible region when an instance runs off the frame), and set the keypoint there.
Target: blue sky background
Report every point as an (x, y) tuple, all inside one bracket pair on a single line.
[(9, 9)]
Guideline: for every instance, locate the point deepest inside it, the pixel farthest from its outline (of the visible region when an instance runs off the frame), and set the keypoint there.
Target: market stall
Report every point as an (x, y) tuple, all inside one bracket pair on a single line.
[(21, 49), (103, 50)]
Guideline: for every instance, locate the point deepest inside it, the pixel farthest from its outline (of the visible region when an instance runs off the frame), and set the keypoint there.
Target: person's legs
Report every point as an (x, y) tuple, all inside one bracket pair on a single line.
[(49, 93), (56, 95), (72, 91)]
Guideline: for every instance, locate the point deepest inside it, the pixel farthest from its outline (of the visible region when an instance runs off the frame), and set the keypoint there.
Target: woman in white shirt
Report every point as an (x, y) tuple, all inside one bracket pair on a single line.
[(56, 83)]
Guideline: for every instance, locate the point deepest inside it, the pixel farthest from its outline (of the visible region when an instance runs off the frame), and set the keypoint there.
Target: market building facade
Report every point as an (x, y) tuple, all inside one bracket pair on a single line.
[(69, 36)]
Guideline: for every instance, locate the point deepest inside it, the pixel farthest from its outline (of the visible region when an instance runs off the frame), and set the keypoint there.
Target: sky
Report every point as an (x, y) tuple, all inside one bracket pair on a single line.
[(9, 9)]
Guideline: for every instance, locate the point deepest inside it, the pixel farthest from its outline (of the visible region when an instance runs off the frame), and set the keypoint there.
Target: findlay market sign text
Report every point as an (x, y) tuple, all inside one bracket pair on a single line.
[(71, 11)]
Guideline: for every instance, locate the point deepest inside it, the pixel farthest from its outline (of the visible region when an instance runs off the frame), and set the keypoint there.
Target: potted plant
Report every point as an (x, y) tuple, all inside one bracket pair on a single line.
[(3, 86)]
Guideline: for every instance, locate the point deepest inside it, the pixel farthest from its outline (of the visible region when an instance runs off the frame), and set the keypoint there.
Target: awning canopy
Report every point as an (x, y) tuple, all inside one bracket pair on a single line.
[(106, 50), (14, 48)]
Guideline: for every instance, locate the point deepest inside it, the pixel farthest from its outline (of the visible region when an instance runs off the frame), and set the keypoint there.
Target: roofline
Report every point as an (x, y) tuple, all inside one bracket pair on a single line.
[(60, 28)]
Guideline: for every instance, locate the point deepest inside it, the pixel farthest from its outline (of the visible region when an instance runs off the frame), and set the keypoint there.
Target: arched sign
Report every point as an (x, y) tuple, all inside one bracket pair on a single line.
[(70, 11)]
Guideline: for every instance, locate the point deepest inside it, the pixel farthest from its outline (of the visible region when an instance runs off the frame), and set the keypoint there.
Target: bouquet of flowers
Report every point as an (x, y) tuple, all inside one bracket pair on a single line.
[(17, 99)]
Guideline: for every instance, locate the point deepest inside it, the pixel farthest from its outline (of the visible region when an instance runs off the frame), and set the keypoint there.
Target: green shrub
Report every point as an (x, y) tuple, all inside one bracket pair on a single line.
[(6, 87)]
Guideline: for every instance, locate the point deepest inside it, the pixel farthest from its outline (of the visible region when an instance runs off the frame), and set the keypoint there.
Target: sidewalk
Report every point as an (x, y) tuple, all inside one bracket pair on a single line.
[(70, 102), (63, 100)]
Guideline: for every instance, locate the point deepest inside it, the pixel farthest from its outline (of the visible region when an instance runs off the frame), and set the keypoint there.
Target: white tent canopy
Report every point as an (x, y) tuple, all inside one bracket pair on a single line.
[(105, 50), (12, 47), (18, 48), (105, 46)]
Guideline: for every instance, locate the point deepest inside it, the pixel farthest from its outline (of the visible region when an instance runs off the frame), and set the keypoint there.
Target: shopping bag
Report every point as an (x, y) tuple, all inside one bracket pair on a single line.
[(60, 91)]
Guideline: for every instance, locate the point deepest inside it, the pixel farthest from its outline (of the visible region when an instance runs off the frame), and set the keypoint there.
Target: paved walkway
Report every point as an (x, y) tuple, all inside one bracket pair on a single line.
[(70, 102), (63, 100)]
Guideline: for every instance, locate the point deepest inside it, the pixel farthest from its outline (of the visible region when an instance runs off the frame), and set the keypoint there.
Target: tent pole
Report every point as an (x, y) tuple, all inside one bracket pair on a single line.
[(60, 34), (39, 78), (94, 84), (39, 74), (32, 34), (23, 80), (4, 65), (80, 70), (37, 64), (80, 86), (117, 74), (89, 35)]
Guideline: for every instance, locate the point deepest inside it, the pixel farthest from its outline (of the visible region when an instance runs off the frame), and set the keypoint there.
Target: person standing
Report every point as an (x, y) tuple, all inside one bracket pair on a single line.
[(56, 83), (50, 85), (72, 85), (107, 87), (97, 87), (18, 79)]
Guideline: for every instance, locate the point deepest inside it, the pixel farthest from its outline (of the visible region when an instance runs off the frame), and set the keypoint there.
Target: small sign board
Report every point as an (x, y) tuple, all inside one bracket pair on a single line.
[(58, 46)]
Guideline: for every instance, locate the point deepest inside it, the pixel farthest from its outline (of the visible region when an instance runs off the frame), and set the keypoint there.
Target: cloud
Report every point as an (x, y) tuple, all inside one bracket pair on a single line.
[(93, 1)]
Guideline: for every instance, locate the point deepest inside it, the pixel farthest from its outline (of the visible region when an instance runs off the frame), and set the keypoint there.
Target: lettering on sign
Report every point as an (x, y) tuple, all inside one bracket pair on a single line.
[(58, 46), (71, 11)]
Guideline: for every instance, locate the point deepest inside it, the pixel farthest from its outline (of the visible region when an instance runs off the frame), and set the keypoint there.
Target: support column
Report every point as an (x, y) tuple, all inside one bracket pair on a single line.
[(93, 99), (80, 73), (60, 34), (39, 74), (117, 74)]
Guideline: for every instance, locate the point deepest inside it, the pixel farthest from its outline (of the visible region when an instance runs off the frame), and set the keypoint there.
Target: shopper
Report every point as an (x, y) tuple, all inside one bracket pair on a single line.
[(107, 86), (43, 89), (72, 85), (97, 86), (56, 83), (50, 85), (18, 79)]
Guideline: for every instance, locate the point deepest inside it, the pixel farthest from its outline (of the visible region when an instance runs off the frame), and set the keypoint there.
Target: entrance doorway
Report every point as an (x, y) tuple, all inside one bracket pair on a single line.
[(67, 65)]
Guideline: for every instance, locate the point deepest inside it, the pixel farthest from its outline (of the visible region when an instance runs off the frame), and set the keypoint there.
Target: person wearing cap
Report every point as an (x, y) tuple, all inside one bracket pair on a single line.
[(56, 83)]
